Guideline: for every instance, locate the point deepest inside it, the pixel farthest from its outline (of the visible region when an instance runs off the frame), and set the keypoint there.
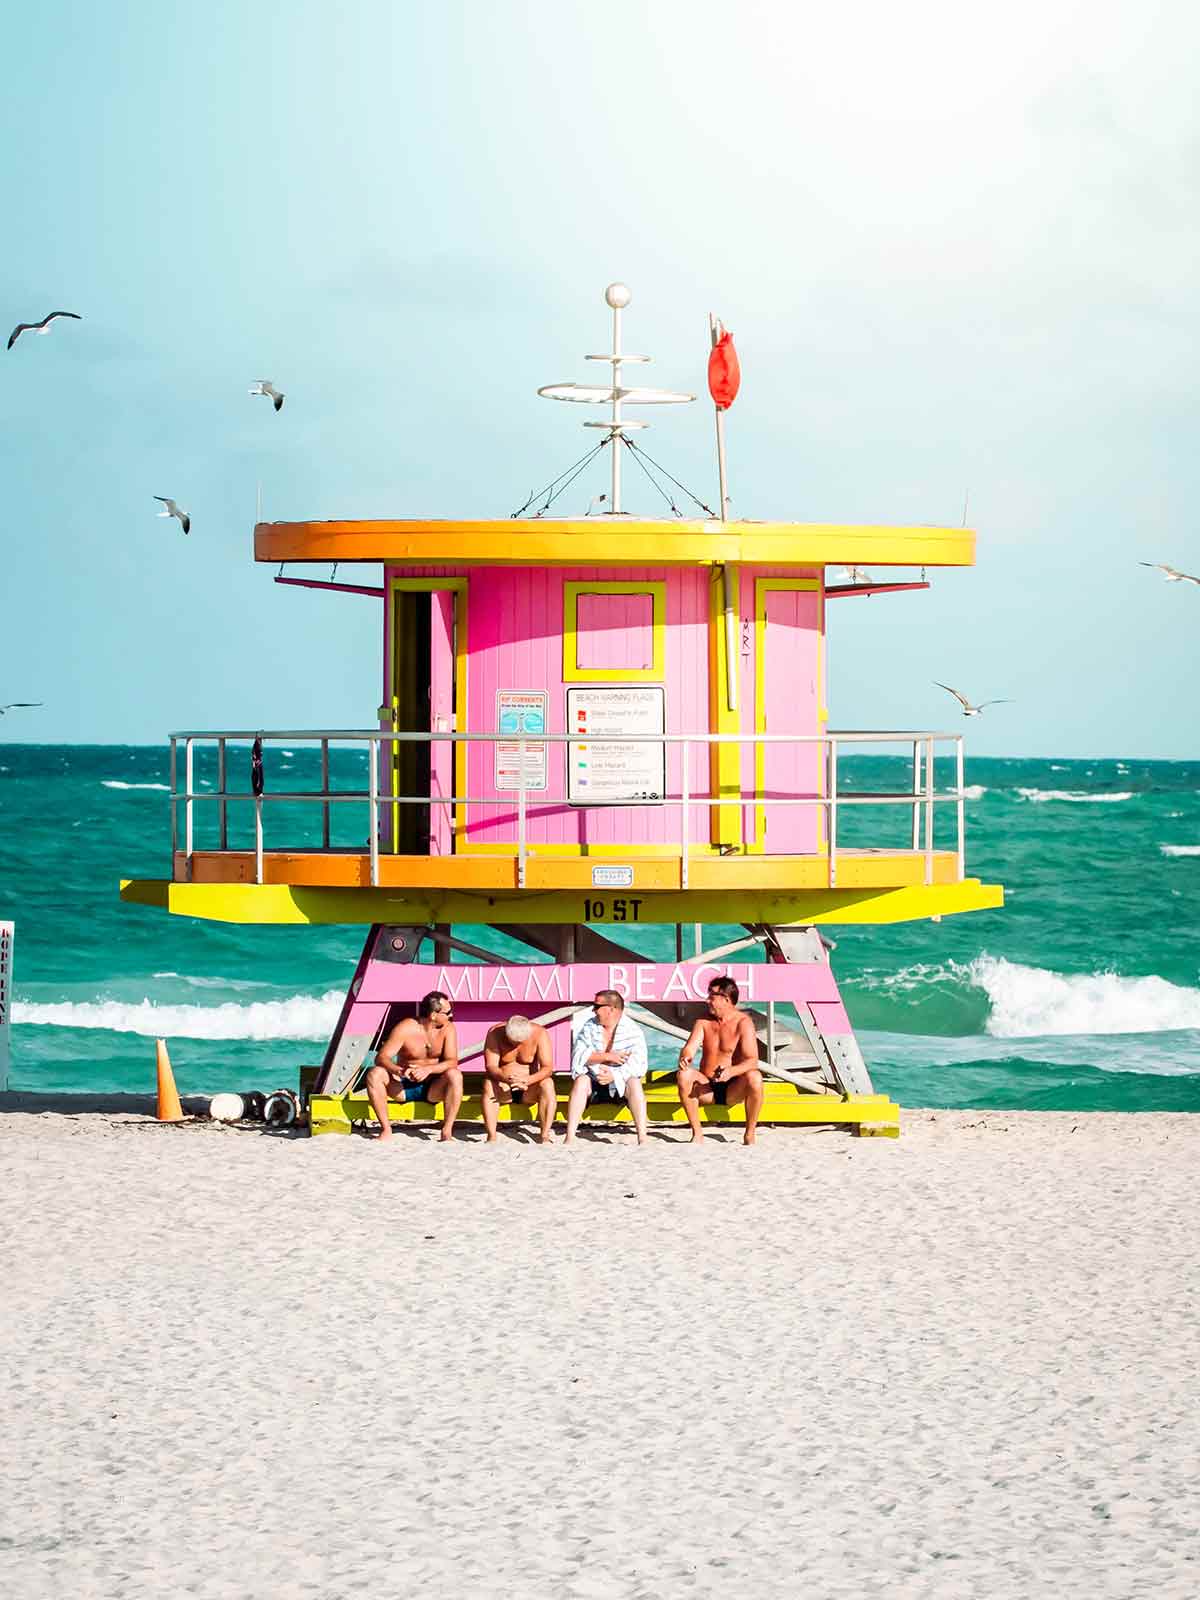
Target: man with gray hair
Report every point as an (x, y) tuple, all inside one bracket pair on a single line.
[(518, 1069)]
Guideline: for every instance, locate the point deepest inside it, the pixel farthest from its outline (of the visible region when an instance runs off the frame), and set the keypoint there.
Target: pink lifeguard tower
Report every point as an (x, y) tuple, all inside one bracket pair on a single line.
[(589, 726)]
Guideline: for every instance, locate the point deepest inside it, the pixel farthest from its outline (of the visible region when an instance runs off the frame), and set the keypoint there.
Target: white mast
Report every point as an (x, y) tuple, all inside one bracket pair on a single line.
[(617, 296)]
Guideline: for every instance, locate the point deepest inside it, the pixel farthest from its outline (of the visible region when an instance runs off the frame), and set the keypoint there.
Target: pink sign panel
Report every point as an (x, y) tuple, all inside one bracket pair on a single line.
[(683, 982)]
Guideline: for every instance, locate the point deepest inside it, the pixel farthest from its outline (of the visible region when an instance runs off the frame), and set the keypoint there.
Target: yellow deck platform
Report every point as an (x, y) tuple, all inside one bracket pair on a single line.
[(274, 903), (351, 869), (861, 1114)]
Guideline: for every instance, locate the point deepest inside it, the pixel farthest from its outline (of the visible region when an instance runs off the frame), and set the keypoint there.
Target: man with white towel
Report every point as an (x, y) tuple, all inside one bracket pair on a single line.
[(608, 1062)]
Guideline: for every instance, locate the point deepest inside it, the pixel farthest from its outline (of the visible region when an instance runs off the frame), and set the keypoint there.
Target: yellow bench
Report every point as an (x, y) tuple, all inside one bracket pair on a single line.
[(865, 1115)]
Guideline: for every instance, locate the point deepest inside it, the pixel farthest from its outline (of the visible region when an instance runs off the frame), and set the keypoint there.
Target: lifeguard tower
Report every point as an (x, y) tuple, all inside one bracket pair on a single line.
[(599, 735)]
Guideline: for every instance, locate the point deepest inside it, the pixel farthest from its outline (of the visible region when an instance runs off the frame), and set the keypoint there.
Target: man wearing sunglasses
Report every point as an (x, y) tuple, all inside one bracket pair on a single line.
[(608, 1062), (419, 1061)]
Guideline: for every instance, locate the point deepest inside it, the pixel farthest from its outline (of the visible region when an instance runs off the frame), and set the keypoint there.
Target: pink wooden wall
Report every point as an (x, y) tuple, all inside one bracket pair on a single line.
[(514, 628), (794, 694)]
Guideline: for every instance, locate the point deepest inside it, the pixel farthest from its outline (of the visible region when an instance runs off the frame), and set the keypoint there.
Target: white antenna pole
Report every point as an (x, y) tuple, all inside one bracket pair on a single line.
[(715, 330), (617, 296)]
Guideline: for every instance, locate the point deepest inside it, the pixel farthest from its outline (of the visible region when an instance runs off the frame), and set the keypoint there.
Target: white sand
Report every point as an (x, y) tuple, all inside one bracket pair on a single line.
[(964, 1363)]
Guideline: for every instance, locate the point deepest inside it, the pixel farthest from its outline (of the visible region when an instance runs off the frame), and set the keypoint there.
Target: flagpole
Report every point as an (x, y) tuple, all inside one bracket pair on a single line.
[(715, 331)]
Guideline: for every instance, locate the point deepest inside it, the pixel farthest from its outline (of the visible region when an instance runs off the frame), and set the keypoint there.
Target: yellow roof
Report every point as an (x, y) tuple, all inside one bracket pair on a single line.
[(608, 541)]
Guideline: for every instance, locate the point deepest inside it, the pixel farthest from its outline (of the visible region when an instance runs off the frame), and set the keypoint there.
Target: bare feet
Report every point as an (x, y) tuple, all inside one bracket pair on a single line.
[(697, 1137), (750, 1136), (546, 1138)]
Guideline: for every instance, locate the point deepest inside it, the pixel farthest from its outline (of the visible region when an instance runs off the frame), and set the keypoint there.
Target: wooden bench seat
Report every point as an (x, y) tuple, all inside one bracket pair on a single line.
[(782, 1103)]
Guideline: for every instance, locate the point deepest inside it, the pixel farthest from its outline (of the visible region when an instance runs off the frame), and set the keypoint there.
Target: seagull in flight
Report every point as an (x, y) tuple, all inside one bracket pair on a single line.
[(968, 709), (1172, 574), (39, 327), (14, 705), (264, 386), (173, 510)]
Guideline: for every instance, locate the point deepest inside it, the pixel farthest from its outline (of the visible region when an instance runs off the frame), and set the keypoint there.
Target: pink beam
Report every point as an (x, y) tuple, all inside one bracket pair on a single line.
[(342, 588), (870, 588)]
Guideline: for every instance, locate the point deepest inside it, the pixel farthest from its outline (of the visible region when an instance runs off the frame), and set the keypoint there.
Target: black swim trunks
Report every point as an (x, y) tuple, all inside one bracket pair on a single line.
[(603, 1091), (720, 1094)]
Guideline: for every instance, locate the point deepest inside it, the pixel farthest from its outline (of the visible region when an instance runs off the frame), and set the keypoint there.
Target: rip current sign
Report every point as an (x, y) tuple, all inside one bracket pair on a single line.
[(520, 711)]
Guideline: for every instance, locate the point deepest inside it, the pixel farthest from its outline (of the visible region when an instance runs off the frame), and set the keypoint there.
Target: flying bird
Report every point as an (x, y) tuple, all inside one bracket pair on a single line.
[(1172, 574), (968, 709), (39, 327), (174, 511), (14, 705), (264, 386)]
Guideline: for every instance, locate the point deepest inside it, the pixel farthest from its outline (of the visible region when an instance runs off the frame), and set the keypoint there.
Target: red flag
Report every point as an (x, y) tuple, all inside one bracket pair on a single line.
[(724, 374)]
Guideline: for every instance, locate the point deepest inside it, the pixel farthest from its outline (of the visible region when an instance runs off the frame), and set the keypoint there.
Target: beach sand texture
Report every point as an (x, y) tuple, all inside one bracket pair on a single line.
[(961, 1363)]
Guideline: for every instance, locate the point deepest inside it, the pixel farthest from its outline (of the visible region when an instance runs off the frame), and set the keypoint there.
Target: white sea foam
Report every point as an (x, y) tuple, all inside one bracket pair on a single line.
[(974, 791), (1076, 796), (1031, 1001), (115, 783), (1180, 849), (300, 1016)]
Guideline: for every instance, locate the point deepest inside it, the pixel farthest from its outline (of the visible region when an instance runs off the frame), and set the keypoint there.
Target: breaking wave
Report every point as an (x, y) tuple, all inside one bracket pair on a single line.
[(1076, 796), (1007, 1000), (115, 783), (974, 791), (298, 1017), (1180, 849)]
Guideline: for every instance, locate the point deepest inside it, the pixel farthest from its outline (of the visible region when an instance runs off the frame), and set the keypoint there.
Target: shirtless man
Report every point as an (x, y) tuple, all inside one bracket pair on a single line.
[(728, 1074), (518, 1069), (419, 1061)]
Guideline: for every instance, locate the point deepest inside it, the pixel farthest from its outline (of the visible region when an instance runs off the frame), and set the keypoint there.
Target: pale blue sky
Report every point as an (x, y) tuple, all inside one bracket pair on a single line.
[(958, 250)]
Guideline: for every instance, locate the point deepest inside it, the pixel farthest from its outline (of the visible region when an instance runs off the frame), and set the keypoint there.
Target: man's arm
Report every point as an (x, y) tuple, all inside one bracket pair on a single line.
[(491, 1057), (745, 1050), (543, 1062), (449, 1055), (388, 1053), (695, 1041)]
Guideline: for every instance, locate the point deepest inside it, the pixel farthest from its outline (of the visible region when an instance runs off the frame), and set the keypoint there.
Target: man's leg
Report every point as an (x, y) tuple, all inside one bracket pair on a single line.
[(491, 1108), (581, 1091), (635, 1099), (547, 1104), (747, 1089), (446, 1090), (694, 1090), (378, 1082)]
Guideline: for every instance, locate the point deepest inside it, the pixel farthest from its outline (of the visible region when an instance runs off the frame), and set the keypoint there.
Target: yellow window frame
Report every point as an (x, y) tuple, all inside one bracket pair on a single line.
[(655, 673)]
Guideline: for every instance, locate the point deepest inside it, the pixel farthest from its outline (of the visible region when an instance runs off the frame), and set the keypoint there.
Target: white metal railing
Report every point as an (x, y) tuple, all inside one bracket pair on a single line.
[(922, 797)]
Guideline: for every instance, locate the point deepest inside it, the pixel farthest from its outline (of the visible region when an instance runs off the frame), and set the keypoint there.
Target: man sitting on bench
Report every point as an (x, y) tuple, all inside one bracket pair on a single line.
[(728, 1074), (419, 1061), (518, 1069), (608, 1063)]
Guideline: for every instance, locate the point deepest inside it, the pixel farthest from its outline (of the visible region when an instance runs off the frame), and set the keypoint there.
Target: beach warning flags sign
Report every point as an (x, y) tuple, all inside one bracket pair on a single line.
[(724, 373)]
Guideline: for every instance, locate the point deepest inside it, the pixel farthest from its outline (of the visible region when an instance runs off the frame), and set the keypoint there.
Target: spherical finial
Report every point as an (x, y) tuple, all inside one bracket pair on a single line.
[(618, 295)]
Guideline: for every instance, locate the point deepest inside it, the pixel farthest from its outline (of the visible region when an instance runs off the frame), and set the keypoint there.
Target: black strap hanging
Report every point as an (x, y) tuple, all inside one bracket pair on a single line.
[(256, 766)]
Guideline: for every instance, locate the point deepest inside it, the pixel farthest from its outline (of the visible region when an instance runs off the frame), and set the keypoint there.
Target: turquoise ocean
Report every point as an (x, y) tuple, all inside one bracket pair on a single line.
[(1082, 994)]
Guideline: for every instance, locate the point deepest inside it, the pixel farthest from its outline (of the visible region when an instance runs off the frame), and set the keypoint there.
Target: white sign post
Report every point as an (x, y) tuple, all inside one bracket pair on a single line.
[(619, 771), (6, 966)]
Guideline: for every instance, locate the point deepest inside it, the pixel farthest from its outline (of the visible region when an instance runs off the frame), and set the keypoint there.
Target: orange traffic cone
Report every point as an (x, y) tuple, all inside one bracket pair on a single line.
[(169, 1108)]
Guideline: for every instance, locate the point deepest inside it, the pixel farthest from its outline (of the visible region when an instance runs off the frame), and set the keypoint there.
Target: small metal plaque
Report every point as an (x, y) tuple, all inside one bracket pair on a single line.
[(612, 877)]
